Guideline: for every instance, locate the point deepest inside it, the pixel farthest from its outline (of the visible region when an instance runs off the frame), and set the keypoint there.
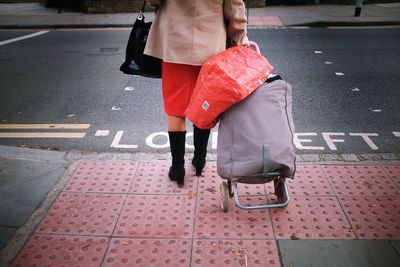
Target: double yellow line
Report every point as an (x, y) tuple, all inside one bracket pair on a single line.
[(44, 133)]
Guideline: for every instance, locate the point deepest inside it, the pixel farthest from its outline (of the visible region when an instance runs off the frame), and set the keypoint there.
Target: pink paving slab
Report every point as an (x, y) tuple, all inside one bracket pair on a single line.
[(394, 173), (152, 178), (373, 217), (360, 181), (104, 177), (148, 252), (210, 182), (311, 218), (265, 21), (83, 214), (309, 181), (157, 216), (215, 252), (212, 222), (55, 250)]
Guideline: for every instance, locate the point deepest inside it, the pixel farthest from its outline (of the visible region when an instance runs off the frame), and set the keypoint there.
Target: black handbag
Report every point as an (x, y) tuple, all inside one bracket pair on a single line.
[(136, 63)]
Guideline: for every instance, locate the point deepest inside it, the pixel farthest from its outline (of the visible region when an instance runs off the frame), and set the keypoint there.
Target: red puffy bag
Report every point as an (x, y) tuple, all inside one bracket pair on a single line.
[(224, 80)]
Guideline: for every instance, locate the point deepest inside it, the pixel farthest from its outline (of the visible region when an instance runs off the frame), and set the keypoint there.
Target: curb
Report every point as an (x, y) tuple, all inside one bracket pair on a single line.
[(323, 24)]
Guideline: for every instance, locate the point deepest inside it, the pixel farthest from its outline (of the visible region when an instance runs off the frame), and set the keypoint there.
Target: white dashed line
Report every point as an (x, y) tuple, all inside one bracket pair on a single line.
[(375, 110), (102, 133), (318, 52), (129, 88), (355, 89), (115, 108), (339, 73), (328, 62)]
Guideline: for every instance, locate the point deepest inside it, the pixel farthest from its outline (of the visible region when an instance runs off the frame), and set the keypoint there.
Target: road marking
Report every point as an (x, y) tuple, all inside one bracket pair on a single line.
[(102, 133), (129, 88), (115, 143), (330, 142), (115, 108), (366, 138), (318, 52), (355, 89), (41, 135), (375, 110), (44, 126), (328, 62), (298, 142), (339, 73), (397, 134), (23, 37), (151, 137)]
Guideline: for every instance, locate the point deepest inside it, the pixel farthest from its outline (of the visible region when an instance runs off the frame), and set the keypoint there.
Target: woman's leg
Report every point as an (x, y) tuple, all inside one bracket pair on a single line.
[(200, 141), (177, 140), (176, 124)]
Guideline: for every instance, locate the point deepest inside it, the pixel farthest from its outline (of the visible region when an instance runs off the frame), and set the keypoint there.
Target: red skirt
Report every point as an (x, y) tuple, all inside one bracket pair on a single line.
[(178, 82)]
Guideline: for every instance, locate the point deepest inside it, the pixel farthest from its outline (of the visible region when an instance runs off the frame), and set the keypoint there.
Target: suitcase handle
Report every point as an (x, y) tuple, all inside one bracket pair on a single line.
[(254, 46)]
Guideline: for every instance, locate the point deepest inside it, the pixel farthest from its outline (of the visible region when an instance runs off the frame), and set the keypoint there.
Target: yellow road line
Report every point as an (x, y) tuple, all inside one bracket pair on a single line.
[(44, 126), (42, 135)]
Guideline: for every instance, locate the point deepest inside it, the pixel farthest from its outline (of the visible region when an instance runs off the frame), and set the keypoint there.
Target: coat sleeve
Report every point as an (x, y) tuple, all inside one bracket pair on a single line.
[(236, 21)]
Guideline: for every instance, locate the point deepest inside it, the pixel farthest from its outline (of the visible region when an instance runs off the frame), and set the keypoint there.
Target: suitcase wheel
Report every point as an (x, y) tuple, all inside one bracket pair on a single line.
[(224, 193)]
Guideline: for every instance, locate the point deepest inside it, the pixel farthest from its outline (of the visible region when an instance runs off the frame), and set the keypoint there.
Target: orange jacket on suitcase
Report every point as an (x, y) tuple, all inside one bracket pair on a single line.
[(224, 80)]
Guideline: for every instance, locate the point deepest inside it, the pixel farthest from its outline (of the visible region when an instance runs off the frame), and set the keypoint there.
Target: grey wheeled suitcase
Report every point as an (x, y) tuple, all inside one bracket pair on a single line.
[(255, 140)]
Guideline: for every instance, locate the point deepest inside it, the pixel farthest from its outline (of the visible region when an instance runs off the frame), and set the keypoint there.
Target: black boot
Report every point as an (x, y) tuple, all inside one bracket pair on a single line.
[(200, 141), (177, 144)]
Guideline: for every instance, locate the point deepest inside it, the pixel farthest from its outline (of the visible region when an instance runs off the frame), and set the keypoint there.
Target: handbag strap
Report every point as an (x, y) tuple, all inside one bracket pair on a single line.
[(143, 6)]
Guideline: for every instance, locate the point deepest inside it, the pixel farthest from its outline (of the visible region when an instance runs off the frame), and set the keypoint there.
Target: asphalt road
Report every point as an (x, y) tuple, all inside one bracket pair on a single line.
[(346, 90)]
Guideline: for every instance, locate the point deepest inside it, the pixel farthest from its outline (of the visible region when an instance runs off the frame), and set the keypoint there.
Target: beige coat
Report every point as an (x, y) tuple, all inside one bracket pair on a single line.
[(191, 31)]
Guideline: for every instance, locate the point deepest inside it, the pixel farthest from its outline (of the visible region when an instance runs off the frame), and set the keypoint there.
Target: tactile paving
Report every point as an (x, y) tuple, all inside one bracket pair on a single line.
[(83, 214), (373, 217), (212, 222), (312, 218), (55, 250), (165, 216), (309, 181), (104, 177), (210, 182), (360, 181), (152, 178), (394, 173), (148, 252), (209, 253)]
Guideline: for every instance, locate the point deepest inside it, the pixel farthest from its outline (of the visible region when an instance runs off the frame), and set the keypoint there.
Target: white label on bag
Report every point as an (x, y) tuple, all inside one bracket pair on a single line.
[(205, 105)]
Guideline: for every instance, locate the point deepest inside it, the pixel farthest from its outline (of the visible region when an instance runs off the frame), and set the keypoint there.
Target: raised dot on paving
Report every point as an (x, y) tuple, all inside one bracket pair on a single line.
[(152, 178), (311, 218), (83, 214), (102, 177), (148, 252), (156, 216), (360, 181), (309, 181), (216, 252), (212, 222), (373, 217), (56, 250), (393, 172)]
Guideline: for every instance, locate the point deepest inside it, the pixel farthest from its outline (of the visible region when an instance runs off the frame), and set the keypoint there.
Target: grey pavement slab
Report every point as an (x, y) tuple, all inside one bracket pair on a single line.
[(5, 234), (339, 253), (23, 185)]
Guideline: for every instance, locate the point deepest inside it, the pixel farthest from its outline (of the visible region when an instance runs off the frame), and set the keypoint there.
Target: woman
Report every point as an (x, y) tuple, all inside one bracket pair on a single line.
[(184, 34)]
